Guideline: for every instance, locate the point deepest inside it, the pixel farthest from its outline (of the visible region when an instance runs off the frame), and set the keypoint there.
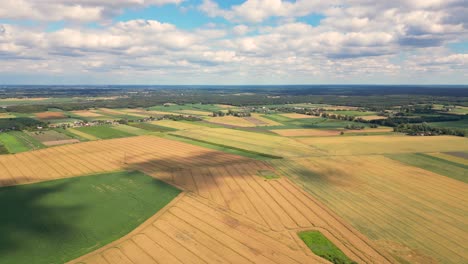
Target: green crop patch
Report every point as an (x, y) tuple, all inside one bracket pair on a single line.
[(104, 132), (60, 220), (268, 174), (324, 248)]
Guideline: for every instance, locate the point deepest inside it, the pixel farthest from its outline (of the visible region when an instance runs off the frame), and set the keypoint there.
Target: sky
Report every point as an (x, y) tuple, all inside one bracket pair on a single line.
[(233, 42)]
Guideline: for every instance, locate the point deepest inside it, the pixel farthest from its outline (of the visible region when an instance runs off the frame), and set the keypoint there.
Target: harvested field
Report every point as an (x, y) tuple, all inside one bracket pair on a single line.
[(106, 155), (178, 124), (195, 112), (386, 144), (373, 117), (231, 215), (268, 144), (449, 157), (298, 116), (260, 120), (50, 115), (306, 132), (369, 130), (437, 165), (57, 221), (105, 132), (415, 214), (85, 113), (60, 142), (231, 121)]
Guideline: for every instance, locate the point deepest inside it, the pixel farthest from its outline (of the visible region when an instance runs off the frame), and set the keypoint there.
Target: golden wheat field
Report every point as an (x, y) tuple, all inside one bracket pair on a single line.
[(385, 144), (413, 213)]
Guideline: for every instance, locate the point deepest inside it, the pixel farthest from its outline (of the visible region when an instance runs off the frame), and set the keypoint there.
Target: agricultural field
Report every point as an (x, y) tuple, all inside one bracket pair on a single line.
[(298, 116), (353, 113), (17, 141), (152, 127), (52, 137), (385, 144), (57, 221), (86, 113), (179, 125), (231, 121), (104, 132), (50, 115), (263, 143), (416, 215)]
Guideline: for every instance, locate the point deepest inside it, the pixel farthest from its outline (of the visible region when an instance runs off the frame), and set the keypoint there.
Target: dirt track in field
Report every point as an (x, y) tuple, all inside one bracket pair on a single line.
[(227, 213)]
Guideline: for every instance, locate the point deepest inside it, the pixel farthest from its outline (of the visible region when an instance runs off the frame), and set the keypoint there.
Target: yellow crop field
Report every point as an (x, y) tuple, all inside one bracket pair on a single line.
[(6, 115), (178, 124), (373, 117), (259, 120), (268, 144), (306, 132), (231, 215), (231, 121), (298, 116), (386, 144), (449, 157), (82, 134), (413, 213), (85, 113), (119, 112), (195, 112)]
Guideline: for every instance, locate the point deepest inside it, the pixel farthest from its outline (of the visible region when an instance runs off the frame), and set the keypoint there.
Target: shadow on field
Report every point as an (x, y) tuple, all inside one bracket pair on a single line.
[(27, 213), (210, 159)]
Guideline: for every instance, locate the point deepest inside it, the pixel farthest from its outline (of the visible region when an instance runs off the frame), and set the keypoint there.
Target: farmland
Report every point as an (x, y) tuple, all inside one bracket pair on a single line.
[(282, 183), (394, 204), (104, 132), (70, 217)]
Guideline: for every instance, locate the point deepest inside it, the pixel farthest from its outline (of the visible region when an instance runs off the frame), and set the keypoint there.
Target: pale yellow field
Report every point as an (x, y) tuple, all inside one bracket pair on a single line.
[(306, 132), (268, 144), (449, 157), (373, 117), (195, 112), (178, 124), (231, 120), (396, 205), (85, 113), (6, 115), (262, 121), (119, 112), (370, 130), (386, 144), (298, 116), (82, 134)]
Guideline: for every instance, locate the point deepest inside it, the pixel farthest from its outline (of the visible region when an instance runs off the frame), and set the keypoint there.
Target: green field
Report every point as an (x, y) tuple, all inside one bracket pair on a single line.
[(18, 141), (151, 127), (131, 130), (324, 248), (57, 221), (440, 166), (461, 124), (104, 132), (323, 123), (352, 113)]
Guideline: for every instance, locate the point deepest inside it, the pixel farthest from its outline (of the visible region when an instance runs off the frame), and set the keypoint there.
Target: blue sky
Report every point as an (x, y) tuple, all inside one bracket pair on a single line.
[(233, 42)]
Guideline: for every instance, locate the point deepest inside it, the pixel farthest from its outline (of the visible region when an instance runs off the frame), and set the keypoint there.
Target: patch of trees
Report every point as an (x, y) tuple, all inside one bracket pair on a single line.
[(232, 113), (20, 123), (427, 130)]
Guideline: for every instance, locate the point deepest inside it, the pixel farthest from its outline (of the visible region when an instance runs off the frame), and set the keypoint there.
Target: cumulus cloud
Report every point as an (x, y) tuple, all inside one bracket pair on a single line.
[(381, 39), (79, 10)]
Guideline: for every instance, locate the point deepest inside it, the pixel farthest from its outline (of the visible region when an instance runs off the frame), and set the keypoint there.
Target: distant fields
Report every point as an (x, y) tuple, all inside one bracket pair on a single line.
[(57, 221), (152, 127)]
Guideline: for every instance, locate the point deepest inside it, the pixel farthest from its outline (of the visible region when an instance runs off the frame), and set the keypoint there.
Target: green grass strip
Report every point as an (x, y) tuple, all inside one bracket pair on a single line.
[(324, 248)]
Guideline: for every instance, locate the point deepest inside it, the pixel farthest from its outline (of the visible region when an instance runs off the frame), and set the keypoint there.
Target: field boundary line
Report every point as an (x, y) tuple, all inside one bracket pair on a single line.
[(134, 232)]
